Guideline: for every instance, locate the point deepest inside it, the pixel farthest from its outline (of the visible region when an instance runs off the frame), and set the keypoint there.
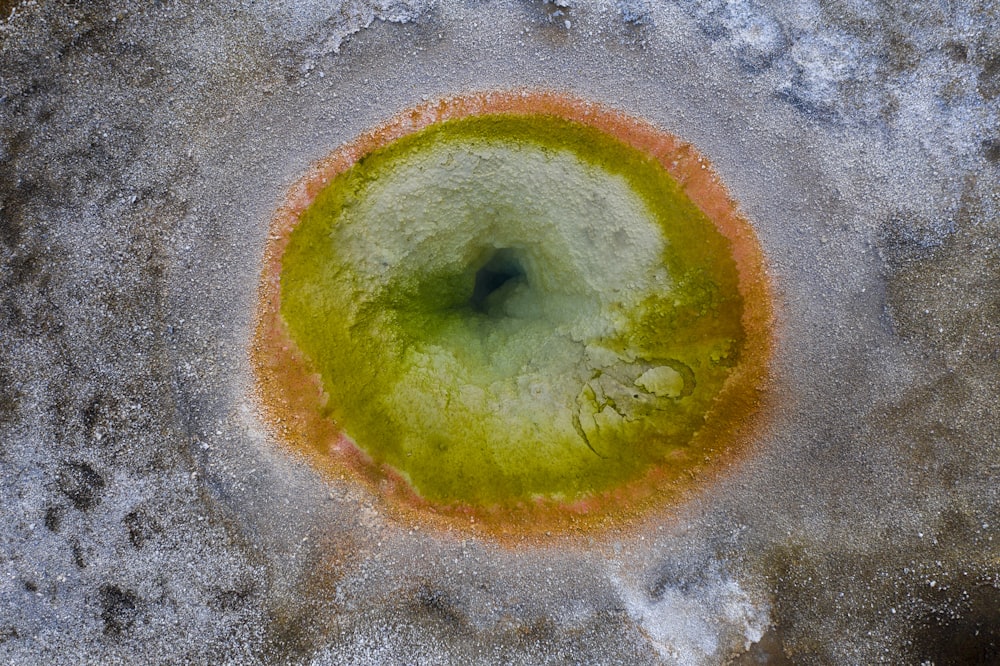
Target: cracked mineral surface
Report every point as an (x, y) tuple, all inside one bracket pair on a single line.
[(150, 514)]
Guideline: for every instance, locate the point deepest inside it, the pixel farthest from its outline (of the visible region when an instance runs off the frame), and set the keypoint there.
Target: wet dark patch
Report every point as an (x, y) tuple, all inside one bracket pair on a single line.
[(140, 527), (8, 633), (100, 414), (991, 150), (806, 592), (900, 52), (438, 604), (965, 636), (299, 624), (25, 265), (684, 575), (954, 525), (33, 315), (120, 609), (989, 78), (236, 599), (956, 51), (942, 289), (53, 518), (88, 29), (768, 651), (82, 484), (10, 397), (293, 635), (905, 236), (95, 412), (7, 7), (540, 631), (936, 448), (23, 268), (802, 100), (14, 191), (77, 553), (30, 586)]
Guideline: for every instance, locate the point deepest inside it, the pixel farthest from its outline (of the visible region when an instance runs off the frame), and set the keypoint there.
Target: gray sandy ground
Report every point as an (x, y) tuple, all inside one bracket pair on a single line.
[(147, 517)]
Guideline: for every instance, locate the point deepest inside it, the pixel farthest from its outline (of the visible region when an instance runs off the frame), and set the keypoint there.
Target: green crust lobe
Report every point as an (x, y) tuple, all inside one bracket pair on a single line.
[(507, 307)]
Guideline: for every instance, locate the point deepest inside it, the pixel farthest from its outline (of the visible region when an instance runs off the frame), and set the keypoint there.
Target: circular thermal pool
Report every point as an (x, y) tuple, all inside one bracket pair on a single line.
[(511, 305)]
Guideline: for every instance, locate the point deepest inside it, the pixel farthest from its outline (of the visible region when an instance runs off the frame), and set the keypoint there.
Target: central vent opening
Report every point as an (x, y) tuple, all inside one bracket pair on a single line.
[(496, 280)]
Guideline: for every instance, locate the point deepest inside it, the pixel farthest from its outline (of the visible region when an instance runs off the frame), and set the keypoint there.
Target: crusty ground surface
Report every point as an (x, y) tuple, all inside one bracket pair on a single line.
[(148, 515)]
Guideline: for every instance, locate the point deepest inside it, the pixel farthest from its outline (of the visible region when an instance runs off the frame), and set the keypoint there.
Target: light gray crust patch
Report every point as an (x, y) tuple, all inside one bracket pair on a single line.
[(149, 516)]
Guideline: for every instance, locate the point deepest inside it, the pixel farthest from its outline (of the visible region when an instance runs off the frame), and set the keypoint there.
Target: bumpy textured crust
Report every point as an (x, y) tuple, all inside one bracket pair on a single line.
[(291, 396)]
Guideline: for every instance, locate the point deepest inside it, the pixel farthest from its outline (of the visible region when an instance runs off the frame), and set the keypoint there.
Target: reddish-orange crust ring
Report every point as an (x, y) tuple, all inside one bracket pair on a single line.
[(292, 398)]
